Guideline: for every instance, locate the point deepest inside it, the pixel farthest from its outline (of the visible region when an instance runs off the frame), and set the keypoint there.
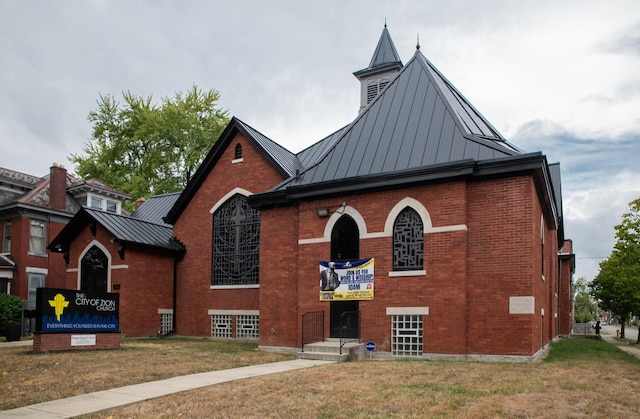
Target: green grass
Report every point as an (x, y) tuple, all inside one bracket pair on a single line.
[(577, 350)]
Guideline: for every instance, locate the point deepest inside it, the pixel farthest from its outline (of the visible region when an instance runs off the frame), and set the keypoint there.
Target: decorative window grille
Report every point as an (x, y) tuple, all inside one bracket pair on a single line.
[(406, 332), (247, 326), (166, 322), (408, 241), (236, 244), (238, 152), (221, 326)]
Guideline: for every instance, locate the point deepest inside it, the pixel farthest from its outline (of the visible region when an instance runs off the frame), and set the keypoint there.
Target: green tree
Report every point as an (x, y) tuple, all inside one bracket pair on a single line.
[(584, 306), (144, 149), (617, 285)]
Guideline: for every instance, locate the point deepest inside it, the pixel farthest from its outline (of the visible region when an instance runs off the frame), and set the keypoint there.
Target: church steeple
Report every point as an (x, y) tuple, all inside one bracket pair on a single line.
[(384, 65)]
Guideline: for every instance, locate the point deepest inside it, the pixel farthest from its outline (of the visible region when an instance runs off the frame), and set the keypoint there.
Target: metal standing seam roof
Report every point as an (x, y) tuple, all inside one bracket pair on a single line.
[(278, 155), (284, 161), (156, 208), (314, 153), (130, 230), (384, 56), (419, 120)]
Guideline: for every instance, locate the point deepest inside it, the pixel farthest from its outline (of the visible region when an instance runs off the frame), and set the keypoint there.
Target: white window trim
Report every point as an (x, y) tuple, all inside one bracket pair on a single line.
[(421, 272), (388, 227), (227, 196), (84, 252), (407, 311), (233, 287), (44, 238), (234, 312)]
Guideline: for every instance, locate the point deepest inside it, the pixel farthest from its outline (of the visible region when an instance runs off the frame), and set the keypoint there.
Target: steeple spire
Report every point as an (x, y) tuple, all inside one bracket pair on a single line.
[(384, 65)]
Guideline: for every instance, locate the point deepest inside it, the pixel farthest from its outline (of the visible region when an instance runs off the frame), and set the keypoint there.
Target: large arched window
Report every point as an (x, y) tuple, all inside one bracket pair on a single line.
[(345, 239), (408, 241), (236, 244), (94, 270)]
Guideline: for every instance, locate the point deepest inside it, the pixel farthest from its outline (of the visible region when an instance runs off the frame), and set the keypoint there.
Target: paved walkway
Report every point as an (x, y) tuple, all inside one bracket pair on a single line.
[(117, 397), (633, 350)]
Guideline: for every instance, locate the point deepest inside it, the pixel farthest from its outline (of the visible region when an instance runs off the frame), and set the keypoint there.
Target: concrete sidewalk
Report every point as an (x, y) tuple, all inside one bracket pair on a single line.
[(108, 399), (631, 349)]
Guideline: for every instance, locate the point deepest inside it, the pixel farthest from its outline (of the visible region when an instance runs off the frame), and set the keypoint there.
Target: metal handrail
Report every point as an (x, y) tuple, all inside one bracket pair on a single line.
[(312, 327), (344, 340)]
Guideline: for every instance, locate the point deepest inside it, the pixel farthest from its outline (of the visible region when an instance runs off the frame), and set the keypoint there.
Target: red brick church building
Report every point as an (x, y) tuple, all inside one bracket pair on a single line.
[(461, 233)]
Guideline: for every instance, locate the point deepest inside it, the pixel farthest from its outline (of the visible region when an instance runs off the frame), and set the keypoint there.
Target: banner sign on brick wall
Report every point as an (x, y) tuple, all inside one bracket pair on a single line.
[(61, 310), (343, 281)]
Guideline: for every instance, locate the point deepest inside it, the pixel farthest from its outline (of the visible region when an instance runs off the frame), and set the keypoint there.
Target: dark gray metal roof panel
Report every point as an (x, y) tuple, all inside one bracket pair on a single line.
[(385, 52), (314, 152), (418, 120), (279, 155), (131, 230), (155, 208), (556, 182)]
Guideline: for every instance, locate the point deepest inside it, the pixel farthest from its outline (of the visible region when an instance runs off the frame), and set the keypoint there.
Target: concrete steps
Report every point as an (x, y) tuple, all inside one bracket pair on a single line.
[(329, 350)]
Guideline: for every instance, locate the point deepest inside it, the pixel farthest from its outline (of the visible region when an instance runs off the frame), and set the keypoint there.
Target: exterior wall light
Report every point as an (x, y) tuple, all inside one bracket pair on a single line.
[(324, 212)]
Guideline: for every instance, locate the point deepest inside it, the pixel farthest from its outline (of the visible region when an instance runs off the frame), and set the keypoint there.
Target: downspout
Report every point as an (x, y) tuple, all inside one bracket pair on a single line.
[(560, 313), (177, 259)]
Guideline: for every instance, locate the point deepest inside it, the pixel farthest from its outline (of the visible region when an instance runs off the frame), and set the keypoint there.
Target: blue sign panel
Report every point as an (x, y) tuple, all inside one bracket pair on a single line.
[(371, 346), (61, 310)]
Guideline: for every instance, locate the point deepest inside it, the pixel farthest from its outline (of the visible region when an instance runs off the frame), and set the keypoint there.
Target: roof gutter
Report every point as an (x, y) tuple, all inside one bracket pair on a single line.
[(404, 178), (534, 164)]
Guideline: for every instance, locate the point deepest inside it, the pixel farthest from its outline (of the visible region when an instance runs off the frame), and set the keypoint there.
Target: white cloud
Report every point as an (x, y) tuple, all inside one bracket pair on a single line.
[(561, 77)]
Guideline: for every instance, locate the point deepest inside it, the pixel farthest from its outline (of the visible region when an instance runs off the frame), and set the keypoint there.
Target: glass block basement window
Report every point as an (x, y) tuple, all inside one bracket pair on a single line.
[(221, 326), (247, 326), (406, 332)]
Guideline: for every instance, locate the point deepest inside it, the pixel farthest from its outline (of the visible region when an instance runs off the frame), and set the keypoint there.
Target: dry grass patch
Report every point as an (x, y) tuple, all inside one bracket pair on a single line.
[(587, 379), (28, 378)]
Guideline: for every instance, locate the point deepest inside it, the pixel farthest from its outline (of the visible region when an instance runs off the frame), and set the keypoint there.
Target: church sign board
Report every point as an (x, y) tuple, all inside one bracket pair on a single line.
[(345, 281), (64, 311)]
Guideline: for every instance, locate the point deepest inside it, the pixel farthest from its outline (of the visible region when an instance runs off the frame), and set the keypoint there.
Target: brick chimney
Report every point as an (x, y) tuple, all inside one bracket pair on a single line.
[(139, 202), (58, 187)]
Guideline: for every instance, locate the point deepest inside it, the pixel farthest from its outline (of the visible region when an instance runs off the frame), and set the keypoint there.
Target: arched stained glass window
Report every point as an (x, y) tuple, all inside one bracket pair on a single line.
[(408, 241), (236, 244)]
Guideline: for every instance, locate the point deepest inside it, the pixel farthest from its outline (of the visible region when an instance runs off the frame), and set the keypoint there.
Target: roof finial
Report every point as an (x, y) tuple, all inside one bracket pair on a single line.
[(385, 22), (418, 41)]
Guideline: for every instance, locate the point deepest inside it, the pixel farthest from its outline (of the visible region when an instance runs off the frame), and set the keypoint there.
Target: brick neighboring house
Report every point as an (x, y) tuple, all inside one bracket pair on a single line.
[(466, 230), (32, 211)]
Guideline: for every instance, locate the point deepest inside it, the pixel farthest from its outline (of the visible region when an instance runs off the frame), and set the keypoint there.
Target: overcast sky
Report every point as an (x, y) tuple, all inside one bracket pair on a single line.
[(561, 77)]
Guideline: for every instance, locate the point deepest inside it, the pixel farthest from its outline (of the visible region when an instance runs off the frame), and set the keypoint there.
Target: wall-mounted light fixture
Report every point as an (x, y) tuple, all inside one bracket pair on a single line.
[(325, 211)]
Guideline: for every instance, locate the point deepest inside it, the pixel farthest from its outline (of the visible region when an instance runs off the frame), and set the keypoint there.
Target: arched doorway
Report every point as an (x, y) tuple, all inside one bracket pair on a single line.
[(345, 245), (93, 270)]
